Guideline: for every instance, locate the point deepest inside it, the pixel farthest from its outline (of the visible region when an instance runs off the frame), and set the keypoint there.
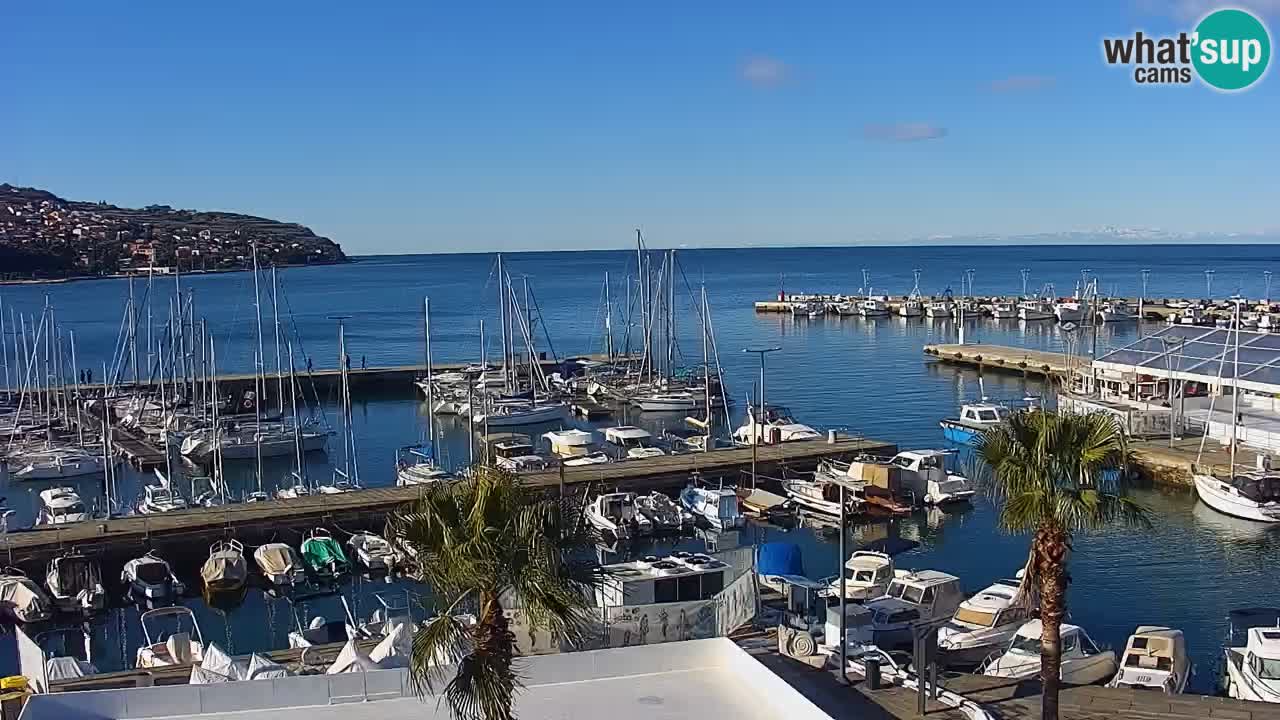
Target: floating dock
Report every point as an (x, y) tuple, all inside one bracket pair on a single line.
[(1030, 363), (188, 532)]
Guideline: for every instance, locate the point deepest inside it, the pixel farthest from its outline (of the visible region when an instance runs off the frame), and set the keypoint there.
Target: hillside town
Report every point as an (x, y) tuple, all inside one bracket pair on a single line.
[(43, 237)]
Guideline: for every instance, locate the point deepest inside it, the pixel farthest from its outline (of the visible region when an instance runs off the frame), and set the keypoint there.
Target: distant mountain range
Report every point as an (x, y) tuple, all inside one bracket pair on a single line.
[(45, 236)]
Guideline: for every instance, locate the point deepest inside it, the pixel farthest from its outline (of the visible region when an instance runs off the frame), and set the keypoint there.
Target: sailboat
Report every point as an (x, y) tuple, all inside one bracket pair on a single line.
[(1247, 494), (347, 478)]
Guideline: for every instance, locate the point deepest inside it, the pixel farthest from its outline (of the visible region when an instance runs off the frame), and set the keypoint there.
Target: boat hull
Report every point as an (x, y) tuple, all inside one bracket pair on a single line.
[(1213, 494), (544, 414), (957, 433)]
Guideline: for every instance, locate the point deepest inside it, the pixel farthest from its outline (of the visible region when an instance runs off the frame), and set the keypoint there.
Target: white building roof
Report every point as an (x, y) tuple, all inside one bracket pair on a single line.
[(690, 679)]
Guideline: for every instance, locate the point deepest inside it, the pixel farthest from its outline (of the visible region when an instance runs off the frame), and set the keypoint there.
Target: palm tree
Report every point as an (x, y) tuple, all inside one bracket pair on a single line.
[(483, 544), (1056, 474)]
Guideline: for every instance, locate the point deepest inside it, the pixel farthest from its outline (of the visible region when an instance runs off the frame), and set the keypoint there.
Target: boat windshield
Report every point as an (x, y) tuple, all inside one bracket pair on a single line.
[(896, 589), (72, 509), (1025, 645), (1265, 668), (976, 617), (152, 572), (863, 576)]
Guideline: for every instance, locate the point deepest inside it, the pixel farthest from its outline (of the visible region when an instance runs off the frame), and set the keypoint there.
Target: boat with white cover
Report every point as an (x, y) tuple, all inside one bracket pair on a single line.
[(570, 443), (983, 624), (75, 583), (1083, 663), (22, 600), (719, 508), (778, 426), (61, 506), (598, 457), (372, 551), (662, 512), (150, 577), (280, 564), (615, 514), (1252, 670), (173, 637), (637, 442), (225, 569), (924, 475), (56, 464), (1155, 658)]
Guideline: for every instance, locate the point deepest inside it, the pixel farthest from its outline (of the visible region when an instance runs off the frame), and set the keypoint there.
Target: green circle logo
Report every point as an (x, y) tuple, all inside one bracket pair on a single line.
[(1232, 49)]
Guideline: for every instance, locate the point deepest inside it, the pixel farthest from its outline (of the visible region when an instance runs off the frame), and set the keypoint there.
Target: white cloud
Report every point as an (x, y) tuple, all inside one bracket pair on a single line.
[(904, 132), (1020, 83), (764, 72)]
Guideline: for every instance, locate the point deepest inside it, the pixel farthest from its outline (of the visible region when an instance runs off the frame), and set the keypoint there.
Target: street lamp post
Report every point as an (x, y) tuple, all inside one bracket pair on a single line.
[(757, 428), (1169, 344), (1142, 299), (1208, 284), (1266, 278)]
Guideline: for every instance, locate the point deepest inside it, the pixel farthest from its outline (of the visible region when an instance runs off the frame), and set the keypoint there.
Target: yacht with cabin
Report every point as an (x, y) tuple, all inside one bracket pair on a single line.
[(973, 420), (1155, 658), (911, 598), (1083, 662), (983, 624)]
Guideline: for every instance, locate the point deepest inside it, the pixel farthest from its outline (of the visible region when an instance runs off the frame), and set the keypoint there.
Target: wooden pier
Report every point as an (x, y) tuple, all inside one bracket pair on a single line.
[(1030, 363), (190, 531)]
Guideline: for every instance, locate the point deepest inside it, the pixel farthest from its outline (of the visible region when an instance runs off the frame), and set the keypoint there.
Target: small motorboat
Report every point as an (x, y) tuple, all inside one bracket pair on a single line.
[(280, 564), (662, 512), (666, 401), (637, 442), (75, 583), (160, 498), (719, 508), (373, 552), (323, 555), (416, 465), (912, 598), (517, 414), (61, 506), (225, 569), (1083, 663), (982, 625), (571, 443), (924, 477), (615, 515), (1253, 669), (296, 490), (596, 458), (822, 497), (778, 426), (1155, 658), (21, 600), (323, 631), (57, 464), (867, 574), (178, 644), (150, 577), (974, 420)]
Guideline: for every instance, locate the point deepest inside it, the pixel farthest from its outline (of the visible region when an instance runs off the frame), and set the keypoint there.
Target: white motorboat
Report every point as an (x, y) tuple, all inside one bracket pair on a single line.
[(522, 463), (717, 507), (61, 506), (983, 624), (662, 512), (1155, 658), (1035, 310), (1251, 496), (515, 415), (873, 307), (939, 309), (974, 420), (847, 307), (1004, 310), (21, 600), (416, 465), (150, 577), (297, 490), (911, 598), (1253, 671), (570, 443), (56, 464), (279, 564), (225, 569), (615, 514), (867, 575), (1083, 663), (160, 499), (1068, 311), (666, 401), (822, 497), (183, 644), (596, 458), (924, 475), (75, 583), (1116, 311), (778, 426), (372, 551), (637, 442)]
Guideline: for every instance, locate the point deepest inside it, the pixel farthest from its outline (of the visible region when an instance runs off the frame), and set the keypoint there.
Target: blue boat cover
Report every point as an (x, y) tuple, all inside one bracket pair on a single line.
[(779, 558)]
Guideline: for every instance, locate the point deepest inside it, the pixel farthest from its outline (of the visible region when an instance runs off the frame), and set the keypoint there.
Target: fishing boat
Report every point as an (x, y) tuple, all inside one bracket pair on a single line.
[(279, 564), (913, 305), (150, 577), (924, 476), (1154, 658), (56, 464), (21, 600), (821, 497), (637, 442), (323, 555), (1035, 309), (873, 308), (160, 499), (1252, 655), (225, 569), (939, 309), (778, 426), (416, 465), (867, 574), (719, 508), (163, 647), (663, 512), (61, 506), (1116, 311), (983, 624), (1004, 309), (75, 584), (615, 514), (973, 420), (1082, 662), (372, 552), (912, 598), (1069, 311)]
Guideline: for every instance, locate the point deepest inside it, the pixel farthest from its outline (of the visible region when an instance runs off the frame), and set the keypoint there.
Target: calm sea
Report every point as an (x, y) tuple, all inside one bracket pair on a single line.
[(867, 376)]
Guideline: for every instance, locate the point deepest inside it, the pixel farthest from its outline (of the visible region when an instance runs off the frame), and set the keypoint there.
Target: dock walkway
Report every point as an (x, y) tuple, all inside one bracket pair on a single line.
[(1034, 363), (119, 537)]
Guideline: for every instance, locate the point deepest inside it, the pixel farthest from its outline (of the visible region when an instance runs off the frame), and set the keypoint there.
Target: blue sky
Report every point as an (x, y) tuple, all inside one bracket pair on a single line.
[(425, 127)]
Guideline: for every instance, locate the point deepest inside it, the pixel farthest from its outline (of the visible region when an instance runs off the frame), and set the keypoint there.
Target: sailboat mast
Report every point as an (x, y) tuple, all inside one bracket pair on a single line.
[(706, 366), (608, 323), (431, 400), (671, 313), (1235, 395), (258, 364), (502, 325), (133, 334), (297, 423), (346, 400), (275, 313)]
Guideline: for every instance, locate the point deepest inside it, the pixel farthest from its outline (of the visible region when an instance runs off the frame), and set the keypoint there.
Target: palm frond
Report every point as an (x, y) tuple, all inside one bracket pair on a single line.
[(441, 644)]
